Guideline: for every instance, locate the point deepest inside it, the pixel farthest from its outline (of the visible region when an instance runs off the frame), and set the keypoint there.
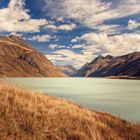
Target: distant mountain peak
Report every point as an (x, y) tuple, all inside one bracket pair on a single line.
[(68, 69), (20, 41), (109, 57), (69, 66), (13, 36), (126, 66), (100, 57)]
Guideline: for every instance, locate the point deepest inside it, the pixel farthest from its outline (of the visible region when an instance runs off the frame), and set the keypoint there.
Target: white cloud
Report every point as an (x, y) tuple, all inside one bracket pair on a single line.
[(15, 18), (67, 27), (96, 44), (132, 24), (64, 27), (53, 46), (68, 56), (41, 38), (91, 12), (56, 46), (81, 10), (51, 26), (74, 40), (114, 45), (107, 39), (109, 29)]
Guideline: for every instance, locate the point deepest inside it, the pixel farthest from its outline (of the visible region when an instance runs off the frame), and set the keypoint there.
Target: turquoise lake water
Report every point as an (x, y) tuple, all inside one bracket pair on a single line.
[(119, 97)]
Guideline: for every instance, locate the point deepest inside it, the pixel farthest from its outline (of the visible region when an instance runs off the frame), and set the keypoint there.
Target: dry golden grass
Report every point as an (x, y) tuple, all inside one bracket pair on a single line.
[(28, 116)]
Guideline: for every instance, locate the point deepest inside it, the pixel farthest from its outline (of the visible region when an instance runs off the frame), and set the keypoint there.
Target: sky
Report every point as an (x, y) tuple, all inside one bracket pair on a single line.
[(74, 32)]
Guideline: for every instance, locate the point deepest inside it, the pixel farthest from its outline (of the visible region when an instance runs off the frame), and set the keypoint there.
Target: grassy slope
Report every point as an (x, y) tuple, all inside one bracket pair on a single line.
[(28, 116)]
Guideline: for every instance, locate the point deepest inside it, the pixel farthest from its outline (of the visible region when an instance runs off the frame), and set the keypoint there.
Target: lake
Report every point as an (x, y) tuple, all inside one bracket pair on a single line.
[(119, 97)]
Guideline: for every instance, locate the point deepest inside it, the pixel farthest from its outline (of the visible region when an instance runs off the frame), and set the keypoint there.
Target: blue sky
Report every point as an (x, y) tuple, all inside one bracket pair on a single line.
[(74, 32)]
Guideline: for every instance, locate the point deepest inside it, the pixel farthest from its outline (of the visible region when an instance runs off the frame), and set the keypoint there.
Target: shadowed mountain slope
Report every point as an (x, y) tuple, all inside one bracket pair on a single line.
[(68, 70), (19, 59), (127, 66)]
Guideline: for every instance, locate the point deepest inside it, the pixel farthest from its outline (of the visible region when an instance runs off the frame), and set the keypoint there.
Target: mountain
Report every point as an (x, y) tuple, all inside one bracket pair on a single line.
[(68, 70), (126, 66), (19, 59)]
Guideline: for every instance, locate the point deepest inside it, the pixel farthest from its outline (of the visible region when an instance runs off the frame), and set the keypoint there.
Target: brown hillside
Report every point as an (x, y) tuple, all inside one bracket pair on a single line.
[(126, 66), (29, 116), (19, 59)]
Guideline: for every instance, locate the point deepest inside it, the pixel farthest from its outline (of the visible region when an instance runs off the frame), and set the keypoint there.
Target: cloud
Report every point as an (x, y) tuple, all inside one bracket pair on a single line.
[(41, 38), (132, 24), (64, 27), (67, 27), (68, 56), (91, 12), (79, 9), (115, 45), (74, 40), (15, 18), (56, 46), (95, 45), (109, 29)]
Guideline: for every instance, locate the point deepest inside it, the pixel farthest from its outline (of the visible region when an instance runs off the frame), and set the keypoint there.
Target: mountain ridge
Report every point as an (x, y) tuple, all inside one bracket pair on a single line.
[(69, 70), (19, 59), (125, 66)]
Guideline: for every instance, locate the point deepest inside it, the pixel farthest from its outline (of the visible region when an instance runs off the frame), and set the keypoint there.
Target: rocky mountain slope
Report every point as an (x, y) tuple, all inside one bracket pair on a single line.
[(19, 59), (126, 66), (68, 70)]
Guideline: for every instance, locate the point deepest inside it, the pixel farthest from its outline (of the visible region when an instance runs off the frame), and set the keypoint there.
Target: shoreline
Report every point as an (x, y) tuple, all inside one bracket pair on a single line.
[(27, 115)]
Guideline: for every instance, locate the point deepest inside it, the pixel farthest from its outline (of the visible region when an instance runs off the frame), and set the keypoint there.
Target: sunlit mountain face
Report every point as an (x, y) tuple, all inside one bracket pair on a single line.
[(70, 32)]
